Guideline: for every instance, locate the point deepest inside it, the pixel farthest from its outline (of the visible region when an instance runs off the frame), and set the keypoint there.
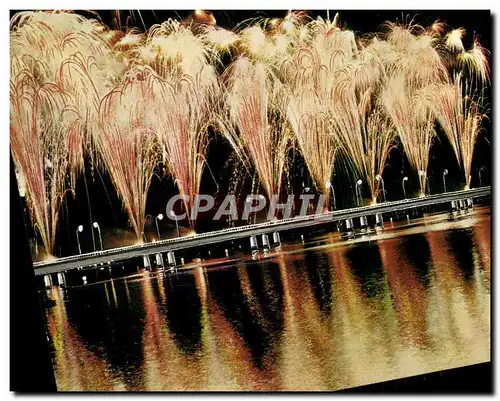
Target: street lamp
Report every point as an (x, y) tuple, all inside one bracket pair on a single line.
[(378, 177), (445, 173), (261, 198), (172, 213), (144, 236), (329, 184), (248, 200), (358, 190), (99, 231), (79, 230), (159, 217), (404, 189), (480, 175), (36, 240), (306, 190)]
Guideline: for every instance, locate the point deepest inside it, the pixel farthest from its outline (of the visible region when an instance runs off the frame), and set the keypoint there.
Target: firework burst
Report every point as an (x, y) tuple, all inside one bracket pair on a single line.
[(411, 114), (131, 99), (127, 144), (256, 127), (460, 117), (44, 138)]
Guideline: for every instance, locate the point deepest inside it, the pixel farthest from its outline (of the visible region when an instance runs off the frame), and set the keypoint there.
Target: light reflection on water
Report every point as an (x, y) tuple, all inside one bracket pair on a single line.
[(327, 315)]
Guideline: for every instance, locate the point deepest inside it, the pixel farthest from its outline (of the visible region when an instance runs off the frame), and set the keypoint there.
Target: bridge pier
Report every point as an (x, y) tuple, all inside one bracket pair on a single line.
[(146, 261), (276, 239), (171, 260), (47, 280), (363, 222), (349, 224), (159, 260), (265, 243), (254, 246), (470, 203), (379, 220), (462, 204), (61, 279)]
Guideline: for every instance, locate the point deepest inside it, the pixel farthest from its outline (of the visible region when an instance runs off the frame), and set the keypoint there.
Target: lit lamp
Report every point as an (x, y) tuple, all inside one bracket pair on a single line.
[(358, 191), (378, 177), (79, 230), (329, 185), (159, 217), (445, 173), (404, 189), (99, 231)]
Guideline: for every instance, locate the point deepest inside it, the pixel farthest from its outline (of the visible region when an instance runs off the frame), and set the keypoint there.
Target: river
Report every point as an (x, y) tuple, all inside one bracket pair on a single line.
[(323, 314)]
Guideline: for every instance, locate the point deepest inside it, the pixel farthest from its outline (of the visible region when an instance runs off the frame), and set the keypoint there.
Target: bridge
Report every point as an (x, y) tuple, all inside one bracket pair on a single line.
[(234, 233)]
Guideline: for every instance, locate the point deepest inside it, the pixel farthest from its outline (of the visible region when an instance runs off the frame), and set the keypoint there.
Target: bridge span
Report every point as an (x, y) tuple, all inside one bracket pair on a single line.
[(234, 233)]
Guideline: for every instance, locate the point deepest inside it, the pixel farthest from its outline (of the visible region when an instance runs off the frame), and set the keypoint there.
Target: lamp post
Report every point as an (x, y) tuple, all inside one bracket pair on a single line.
[(358, 190), (378, 177), (261, 198), (99, 231), (306, 190), (329, 184), (445, 173), (248, 200), (404, 189), (159, 217), (79, 230), (144, 236), (480, 175), (172, 213), (36, 240)]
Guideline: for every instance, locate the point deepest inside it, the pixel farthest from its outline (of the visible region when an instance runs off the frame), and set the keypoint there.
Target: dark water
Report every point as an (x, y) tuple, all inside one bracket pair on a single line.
[(329, 314)]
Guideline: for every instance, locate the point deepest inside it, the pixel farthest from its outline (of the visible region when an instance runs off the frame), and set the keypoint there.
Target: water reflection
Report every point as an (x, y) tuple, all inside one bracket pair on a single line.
[(325, 317)]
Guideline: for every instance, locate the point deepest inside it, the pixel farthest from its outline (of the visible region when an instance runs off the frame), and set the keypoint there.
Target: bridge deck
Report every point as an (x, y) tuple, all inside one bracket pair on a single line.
[(173, 244)]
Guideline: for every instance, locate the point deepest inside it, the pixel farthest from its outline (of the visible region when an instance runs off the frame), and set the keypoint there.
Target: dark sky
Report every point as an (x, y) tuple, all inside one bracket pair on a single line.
[(357, 20)]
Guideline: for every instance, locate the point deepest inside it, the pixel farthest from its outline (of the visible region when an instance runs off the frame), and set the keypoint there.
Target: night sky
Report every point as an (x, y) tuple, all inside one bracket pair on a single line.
[(106, 207)]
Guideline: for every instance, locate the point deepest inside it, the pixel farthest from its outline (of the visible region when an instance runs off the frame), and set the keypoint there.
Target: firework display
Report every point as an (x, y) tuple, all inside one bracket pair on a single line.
[(129, 101)]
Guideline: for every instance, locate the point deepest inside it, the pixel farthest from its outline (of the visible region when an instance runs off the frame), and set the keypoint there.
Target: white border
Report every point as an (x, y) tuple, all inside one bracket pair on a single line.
[(182, 4)]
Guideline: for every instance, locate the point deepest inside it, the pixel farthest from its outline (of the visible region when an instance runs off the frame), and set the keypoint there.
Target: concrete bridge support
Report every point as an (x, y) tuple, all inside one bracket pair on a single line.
[(146, 261), (276, 239), (61, 279), (159, 260), (265, 242), (47, 280), (363, 221), (171, 260), (349, 224), (254, 246), (379, 220)]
